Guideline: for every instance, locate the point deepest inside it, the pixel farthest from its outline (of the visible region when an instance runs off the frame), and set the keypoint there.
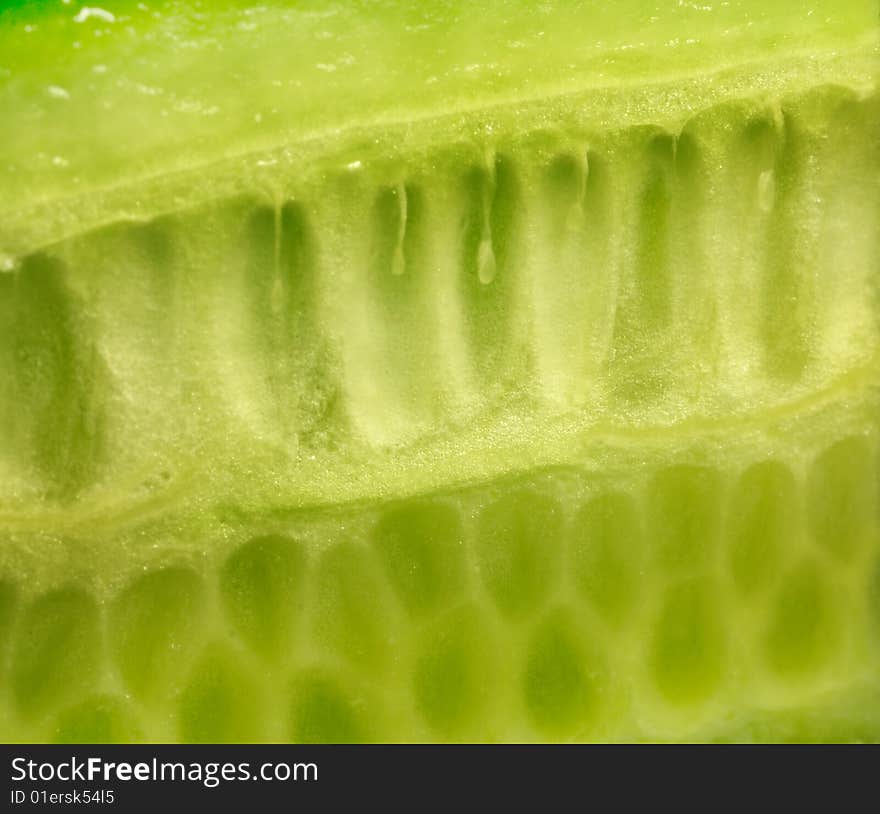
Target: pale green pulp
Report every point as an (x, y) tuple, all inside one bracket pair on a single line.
[(379, 374)]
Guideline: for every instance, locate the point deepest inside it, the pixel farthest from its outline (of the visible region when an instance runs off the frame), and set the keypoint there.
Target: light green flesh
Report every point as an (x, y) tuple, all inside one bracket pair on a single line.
[(538, 404)]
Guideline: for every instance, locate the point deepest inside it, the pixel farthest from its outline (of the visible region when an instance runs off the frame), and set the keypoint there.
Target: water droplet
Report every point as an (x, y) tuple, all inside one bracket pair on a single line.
[(57, 92), (486, 262), (398, 261), (86, 13), (766, 190)]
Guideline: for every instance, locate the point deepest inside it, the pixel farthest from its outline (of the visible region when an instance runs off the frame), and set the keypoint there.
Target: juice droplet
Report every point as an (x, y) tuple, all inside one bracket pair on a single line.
[(574, 220), (398, 260), (86, 13), (766, 190), (486, 261), (486, 265)]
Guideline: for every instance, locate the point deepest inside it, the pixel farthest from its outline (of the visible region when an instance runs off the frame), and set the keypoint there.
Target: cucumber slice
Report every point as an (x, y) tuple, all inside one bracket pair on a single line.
[(386, 374)]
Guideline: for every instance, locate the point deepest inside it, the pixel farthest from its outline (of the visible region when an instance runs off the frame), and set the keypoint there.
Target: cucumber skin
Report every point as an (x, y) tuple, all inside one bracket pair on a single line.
[(193, 598)]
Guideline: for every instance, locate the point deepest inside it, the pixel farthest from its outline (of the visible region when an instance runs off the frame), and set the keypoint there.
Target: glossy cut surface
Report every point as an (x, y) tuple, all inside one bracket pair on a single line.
[(378, 373)]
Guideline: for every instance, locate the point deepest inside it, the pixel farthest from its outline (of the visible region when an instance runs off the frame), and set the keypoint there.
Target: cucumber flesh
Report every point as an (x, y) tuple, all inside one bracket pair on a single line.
[(492, 392), (303, 80)]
